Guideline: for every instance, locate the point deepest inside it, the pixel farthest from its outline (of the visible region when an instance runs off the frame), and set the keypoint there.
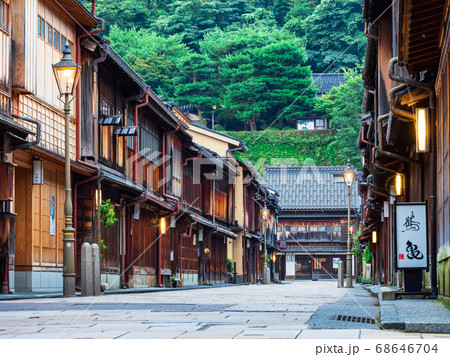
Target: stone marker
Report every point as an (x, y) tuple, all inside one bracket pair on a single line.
[(340, 274), (86, 270), (96, 268)]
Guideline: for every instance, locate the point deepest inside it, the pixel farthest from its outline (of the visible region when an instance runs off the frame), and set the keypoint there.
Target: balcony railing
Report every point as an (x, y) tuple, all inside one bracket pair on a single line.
[(313, 236)]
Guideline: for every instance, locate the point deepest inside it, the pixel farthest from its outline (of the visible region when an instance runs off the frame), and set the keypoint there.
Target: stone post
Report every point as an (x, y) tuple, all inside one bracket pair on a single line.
[(340, 274), (86, 270), (96, 268)]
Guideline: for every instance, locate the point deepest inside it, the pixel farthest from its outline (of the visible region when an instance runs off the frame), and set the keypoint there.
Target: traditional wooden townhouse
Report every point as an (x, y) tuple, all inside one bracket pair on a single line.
[(216, 224), (33, 34), (404, 144), (259, 226), (313, 219), (239, 198)]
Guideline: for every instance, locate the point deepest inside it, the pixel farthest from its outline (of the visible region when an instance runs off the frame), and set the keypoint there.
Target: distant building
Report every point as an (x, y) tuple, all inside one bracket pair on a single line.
[(313, 219), (325, 82)]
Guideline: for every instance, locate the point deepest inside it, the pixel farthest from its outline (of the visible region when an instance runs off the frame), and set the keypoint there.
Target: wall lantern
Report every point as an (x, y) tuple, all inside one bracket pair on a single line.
[(374, 237), (274, 258), (162, 225), (265, 213), (421, 124), (397, 185)]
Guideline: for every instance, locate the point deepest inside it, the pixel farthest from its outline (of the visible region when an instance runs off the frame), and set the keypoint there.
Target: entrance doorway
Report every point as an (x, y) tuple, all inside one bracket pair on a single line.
[(303, 267)]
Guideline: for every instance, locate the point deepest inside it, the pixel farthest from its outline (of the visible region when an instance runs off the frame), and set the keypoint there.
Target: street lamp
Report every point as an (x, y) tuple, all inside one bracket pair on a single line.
[(266, 272), (67, 73), (349, 178)]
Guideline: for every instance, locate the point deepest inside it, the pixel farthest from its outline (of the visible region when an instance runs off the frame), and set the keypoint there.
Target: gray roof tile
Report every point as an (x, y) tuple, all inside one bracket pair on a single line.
[(327, 81), (311, 187)]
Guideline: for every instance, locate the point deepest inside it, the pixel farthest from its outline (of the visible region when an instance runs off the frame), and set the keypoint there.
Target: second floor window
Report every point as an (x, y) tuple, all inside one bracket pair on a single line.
[(106, 147), (4, 15), (149, 140)]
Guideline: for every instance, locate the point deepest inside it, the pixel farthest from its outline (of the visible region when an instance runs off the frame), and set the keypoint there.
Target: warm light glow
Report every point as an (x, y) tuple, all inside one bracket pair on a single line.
[(98, 197), (398, 185), (349, 174), (66, 73), (374, 237), (162, 225), (265, 212), (421, 129), (274, 258)]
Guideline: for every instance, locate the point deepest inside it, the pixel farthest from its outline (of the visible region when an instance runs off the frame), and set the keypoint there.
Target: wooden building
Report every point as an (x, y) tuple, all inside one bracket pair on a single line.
[(313, 218), (33, 33), (406, 68)]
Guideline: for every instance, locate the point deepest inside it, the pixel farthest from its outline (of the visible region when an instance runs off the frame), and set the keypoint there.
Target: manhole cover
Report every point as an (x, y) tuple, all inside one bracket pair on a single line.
[(362, 320)]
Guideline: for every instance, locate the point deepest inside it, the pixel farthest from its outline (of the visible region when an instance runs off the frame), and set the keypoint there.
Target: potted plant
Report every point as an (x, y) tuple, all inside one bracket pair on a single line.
[(175, 281)]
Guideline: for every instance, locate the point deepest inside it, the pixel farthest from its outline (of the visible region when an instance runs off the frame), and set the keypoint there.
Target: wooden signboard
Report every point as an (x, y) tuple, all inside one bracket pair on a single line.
[(411, 235)]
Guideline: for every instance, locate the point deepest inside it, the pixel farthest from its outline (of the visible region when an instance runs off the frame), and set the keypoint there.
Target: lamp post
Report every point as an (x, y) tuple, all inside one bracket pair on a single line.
[(349, 178), (67, 73), (266, 272)]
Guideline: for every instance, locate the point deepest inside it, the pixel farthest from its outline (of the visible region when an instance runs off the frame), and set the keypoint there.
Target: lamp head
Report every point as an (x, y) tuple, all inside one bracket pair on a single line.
[(349, 174), (265, 212), (66, 72)]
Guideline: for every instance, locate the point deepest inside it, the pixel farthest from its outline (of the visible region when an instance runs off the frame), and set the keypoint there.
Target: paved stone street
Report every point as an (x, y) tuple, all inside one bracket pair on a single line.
[(286, 310)]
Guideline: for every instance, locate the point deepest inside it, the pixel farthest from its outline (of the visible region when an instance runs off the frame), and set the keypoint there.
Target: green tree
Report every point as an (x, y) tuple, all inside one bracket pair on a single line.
[(298, 13), (193, 18), (153, 57), (335, 27), (262, 71), (125, 13), (196, 82), (342, 105)]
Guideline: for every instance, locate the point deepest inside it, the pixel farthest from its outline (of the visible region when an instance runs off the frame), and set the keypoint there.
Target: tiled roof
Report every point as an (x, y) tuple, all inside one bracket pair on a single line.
[(311, 187), (326, 81)]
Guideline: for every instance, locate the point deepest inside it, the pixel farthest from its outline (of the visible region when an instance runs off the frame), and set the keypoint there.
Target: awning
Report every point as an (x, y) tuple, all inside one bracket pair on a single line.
[(219, 228), (110, 120), (14, 128), (122, 181), (126, 131)]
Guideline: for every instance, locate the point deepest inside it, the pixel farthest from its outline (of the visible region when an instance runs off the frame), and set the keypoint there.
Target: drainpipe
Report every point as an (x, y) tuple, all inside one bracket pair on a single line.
[(366, 32), (93, 7), (363, 125), (433, 177), (400, 113), (241, 146), (136, 109), (380, 144), (37, 135), (185, 235)]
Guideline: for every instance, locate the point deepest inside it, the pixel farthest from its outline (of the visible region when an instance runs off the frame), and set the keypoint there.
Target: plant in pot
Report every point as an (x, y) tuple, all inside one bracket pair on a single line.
[(175, 281)]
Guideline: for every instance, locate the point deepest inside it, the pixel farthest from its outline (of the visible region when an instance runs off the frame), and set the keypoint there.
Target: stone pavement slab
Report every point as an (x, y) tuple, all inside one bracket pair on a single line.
[(299, 309), (415, 315), (357, 302), (327, 334)]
